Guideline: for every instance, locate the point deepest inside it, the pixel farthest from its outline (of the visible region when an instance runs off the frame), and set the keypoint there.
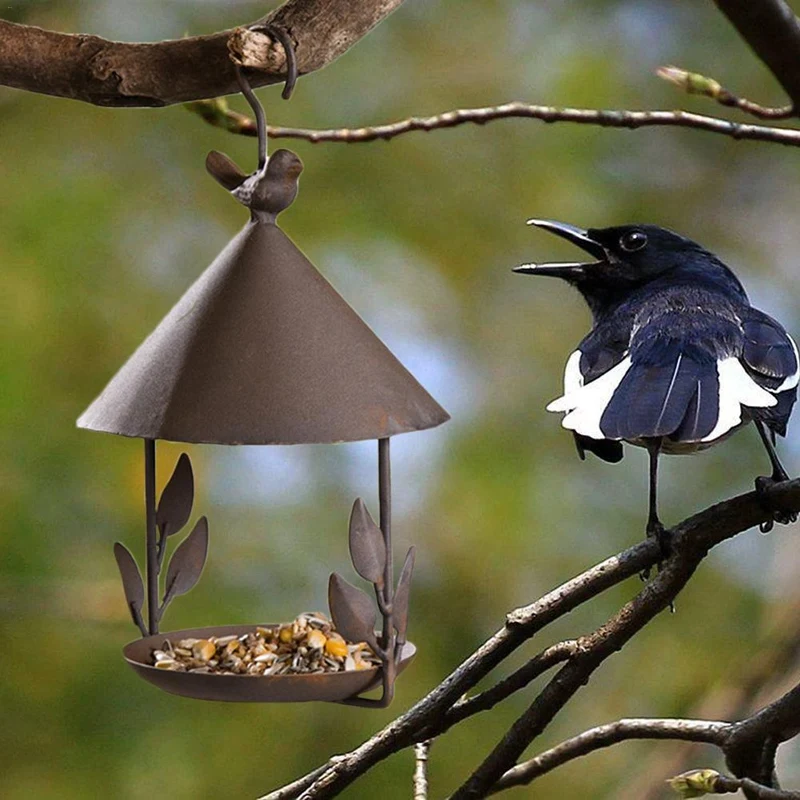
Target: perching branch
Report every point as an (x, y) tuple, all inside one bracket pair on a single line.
[(216, 114), (105, 73), (692, 540)]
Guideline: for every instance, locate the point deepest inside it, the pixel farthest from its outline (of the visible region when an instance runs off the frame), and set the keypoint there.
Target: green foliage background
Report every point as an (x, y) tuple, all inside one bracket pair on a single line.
[(106, 216)]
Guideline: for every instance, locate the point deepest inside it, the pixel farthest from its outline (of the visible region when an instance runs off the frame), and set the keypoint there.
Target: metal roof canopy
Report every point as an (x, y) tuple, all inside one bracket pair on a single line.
[(262, 349)]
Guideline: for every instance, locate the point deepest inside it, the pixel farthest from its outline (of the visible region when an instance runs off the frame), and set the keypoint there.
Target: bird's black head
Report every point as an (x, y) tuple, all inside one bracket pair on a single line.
[(627, 257)]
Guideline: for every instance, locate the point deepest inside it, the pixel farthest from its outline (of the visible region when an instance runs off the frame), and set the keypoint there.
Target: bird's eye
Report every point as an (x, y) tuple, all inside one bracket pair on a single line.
[(633, 241)]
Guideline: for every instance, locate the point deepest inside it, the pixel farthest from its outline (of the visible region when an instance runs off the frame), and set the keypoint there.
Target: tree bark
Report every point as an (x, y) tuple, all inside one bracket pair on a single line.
[(106, 73)]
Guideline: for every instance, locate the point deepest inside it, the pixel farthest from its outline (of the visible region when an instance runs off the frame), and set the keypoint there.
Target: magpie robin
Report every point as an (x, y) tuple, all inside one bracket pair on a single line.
[(677, 358)]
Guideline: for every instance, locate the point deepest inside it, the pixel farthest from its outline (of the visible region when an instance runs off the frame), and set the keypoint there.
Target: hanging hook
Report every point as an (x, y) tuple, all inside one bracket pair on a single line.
[(247, 90), (258, 110), (288, 48)]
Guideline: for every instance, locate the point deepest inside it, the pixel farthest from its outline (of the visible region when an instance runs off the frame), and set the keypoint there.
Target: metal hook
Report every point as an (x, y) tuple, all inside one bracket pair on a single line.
[(288, 48), (258, 110), (247, 90)]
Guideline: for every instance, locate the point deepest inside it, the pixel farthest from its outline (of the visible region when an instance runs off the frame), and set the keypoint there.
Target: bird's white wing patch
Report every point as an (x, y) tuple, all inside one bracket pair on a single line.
[(793, 379), (586, 403), (736, 389), (573, 378)]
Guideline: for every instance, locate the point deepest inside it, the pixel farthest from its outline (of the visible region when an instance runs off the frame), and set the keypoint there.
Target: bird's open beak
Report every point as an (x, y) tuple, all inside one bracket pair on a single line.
[(572, 234)]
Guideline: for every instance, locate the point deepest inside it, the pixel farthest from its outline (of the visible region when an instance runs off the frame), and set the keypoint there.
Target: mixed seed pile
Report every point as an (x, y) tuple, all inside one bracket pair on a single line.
[(308, 645)]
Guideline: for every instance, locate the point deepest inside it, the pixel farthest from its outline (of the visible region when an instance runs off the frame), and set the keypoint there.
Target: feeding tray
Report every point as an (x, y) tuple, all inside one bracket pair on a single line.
[(327, 686), (262, 350)]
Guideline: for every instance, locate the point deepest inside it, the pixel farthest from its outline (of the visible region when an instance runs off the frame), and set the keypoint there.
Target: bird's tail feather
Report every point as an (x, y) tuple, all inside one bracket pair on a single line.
[(667, 390)]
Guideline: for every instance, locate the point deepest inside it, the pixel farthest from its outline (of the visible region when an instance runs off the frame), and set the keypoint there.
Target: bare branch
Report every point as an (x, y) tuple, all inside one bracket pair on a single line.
[(556, 654), (421, 751), (772, 30), (694, 83), (606, 735), (217, 114), (692, 540), (89, 68), (752, 744)]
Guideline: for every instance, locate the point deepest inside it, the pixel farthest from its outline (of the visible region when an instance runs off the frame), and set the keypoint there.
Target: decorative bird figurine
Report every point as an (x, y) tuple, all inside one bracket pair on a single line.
[(677, 358)]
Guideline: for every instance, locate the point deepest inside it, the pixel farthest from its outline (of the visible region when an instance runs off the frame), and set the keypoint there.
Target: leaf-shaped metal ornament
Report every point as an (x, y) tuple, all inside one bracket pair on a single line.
[(367, 547), (400, 604), (187, 562), (175, 505), (352, 611), (131, 583)]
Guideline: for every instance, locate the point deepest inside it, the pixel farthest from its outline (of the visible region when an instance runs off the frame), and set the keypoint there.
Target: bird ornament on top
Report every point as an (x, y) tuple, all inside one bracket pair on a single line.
[(677, 359)]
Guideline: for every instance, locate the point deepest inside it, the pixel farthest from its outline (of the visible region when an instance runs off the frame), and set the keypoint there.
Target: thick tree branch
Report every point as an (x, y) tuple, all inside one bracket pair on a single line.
[(218, 114), (89, 68), (750, 750), (606, 735), (772, 30), (693, 538)]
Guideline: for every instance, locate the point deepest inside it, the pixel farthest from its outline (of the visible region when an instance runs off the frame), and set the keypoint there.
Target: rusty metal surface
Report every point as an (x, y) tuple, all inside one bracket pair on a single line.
[(331, 687), (262, 350)]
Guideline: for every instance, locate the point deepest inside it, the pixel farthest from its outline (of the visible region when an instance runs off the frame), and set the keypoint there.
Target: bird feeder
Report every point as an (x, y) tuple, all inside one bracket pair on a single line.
[(262, 350)]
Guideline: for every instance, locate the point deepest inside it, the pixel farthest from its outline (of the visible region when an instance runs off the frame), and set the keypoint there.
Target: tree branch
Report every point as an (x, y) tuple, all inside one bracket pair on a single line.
[(690, 543), (218, 114), (750, 750), (105, 73), (606, 735), (772, 30), (692, 540)]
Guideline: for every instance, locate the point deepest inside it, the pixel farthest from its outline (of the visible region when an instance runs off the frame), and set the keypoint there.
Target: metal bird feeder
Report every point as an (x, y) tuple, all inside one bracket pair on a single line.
[(262, 350)]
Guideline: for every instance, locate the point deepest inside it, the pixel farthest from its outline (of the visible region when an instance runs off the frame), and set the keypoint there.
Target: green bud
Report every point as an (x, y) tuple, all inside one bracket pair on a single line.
[(695, 783)]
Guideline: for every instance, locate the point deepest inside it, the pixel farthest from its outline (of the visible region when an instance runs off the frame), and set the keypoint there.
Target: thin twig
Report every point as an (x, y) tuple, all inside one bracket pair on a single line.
[(540, 663), (694, 83), (622, 730), (699, 782), (218, 114), (421, 753)]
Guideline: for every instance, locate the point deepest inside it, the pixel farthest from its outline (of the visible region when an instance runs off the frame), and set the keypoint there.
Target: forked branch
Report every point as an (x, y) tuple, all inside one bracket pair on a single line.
[(692, 540)]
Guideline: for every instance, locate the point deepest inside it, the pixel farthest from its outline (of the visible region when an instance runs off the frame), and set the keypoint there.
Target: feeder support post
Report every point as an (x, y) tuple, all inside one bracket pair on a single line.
[(385, 502), (151, 543)]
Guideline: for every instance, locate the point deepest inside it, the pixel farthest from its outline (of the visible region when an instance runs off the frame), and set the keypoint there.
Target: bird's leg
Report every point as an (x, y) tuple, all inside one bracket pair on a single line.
[(763, 483), (654, 526)]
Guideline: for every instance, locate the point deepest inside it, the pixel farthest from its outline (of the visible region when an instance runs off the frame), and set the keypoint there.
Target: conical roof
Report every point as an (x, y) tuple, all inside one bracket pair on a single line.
[(262, 350)]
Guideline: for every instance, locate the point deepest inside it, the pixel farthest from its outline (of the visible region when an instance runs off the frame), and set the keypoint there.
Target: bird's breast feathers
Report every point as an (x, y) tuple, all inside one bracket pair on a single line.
[(690, 372)]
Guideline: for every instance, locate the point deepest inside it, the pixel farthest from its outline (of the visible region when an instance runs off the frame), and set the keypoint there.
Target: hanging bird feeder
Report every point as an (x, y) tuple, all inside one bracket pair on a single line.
[(261, 350)]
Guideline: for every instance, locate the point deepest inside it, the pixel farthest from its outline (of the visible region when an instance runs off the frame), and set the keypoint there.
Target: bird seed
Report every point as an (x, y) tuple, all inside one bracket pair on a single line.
[(309, 645)]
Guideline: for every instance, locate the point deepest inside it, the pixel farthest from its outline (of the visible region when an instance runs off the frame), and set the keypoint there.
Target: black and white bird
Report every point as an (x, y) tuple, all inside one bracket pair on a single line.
[(677, 359)]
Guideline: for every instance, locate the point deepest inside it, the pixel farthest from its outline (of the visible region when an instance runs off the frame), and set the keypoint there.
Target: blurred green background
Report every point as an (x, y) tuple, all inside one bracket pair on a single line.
[(106, 216)]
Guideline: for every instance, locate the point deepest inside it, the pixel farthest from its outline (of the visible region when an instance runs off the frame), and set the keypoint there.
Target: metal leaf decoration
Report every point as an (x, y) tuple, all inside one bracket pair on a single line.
[(187, 562), (175, 505), (367, 547), (400, 605), (352, 611), (131, 581)]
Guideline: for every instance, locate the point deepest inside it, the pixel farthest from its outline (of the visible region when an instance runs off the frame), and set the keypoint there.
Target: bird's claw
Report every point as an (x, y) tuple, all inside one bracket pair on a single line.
[(763, 484), (655, 530)]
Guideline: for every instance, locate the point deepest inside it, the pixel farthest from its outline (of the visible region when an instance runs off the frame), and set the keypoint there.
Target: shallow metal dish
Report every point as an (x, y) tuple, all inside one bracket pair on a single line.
[(330, 687)]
